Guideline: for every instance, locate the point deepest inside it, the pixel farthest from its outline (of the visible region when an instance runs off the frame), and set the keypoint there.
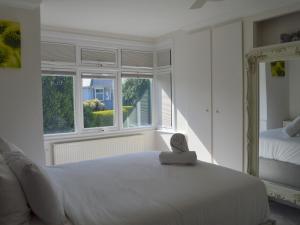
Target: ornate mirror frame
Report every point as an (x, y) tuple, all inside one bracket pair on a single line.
[(266, 54)]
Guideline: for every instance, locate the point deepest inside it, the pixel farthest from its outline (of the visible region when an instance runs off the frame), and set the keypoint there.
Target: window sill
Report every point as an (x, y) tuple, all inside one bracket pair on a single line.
[(88, 135), (166, 131)]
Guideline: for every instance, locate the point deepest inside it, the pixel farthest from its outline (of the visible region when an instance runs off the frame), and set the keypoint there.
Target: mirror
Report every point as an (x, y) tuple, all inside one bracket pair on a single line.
[(279, 105), (272, 102)]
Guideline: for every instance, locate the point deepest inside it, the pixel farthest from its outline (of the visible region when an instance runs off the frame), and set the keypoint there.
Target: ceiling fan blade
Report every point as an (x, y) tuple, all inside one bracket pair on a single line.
[(198, 4)]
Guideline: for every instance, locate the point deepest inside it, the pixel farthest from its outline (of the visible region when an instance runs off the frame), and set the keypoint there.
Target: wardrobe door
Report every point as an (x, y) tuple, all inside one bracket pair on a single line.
[(227, 86), (193, 90)]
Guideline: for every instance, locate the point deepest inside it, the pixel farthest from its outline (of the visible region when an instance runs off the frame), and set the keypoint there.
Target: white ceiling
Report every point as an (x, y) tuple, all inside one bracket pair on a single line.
[(147, 18)]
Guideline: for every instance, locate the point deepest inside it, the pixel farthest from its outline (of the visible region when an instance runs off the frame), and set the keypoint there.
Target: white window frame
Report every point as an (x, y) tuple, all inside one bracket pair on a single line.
[(153, 122), (118, 69), (96, 63), (136, 68), (56, 63), (166, 67), (160, 70), (165, 72), (75, 102), (99, 75)]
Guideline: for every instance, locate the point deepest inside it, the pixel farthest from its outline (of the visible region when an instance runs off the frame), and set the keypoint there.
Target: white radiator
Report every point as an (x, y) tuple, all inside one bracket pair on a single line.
[(93, 149)]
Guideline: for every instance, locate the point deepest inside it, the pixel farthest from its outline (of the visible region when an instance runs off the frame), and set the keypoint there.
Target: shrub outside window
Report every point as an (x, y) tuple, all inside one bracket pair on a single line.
[(58, 102)]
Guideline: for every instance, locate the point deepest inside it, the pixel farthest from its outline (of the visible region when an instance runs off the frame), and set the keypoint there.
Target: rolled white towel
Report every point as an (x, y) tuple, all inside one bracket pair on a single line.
[(178, 143), (293, 128), (184, 158)]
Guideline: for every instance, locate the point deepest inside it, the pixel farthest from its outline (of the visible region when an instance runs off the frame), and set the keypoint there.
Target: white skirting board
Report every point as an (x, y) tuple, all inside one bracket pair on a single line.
[(96, 148)]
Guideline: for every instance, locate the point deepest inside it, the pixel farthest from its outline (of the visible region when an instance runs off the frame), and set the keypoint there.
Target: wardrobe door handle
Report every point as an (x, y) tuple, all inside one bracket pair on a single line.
[(206, 110), (217, 111)]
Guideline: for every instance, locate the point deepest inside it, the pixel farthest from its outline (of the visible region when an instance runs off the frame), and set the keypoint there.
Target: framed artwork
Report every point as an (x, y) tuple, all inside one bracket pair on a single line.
[(10, 44), (278, 69)]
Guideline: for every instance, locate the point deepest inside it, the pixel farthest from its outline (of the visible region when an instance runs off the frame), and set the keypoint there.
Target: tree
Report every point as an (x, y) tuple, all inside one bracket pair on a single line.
[(134, 89), (58, 104)]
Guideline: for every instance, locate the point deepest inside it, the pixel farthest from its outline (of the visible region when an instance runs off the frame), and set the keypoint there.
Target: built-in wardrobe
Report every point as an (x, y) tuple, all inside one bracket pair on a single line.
[(208, 75)]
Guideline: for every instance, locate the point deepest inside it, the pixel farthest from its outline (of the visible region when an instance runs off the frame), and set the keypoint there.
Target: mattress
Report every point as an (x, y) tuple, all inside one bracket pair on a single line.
[(274, 144), (135, 189), (284, 173)]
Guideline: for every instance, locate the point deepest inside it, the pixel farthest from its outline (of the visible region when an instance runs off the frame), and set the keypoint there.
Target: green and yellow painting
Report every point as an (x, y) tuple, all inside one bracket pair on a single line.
[(10, 44), (278, 68)]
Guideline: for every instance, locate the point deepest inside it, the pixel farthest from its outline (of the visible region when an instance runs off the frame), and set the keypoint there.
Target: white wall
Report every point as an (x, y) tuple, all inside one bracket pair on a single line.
[(249, 29), (20, 89), (294, 77), (277, 99)]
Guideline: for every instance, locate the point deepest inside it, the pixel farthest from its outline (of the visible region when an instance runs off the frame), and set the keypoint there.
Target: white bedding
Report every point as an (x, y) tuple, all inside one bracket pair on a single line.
[(135, 189), (35, 221), (274, 144)]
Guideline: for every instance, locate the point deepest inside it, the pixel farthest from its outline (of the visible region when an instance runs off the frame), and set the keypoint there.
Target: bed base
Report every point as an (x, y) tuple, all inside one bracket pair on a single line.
[(283, 194)]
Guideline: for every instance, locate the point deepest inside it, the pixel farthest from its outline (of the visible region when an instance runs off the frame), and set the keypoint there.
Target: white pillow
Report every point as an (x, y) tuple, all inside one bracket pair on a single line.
[(293, 128), (39, 191), (13, 209), (4, 146)]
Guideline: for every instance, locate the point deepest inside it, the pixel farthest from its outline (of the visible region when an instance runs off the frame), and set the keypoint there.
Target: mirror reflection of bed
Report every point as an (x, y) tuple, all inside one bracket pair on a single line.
[(279, 121)]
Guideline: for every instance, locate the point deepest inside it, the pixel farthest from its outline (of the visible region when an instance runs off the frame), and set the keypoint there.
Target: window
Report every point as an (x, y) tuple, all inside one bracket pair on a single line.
[(136, 100), (58, 102), (164, 99), (89, 89), (164, 58), (99, 57), (99, 93), (137, 59), (58, 53), (98, 100)]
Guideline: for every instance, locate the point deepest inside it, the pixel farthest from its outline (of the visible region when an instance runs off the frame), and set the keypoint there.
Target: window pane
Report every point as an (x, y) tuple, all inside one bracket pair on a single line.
[(164, 95), (98, 102), (96, 56), (164, 58), (136, 98), (58, 104), (57, 52), (137, 58)]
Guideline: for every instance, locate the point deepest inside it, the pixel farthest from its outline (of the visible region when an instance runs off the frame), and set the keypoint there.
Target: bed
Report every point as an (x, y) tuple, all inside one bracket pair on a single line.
[(136, 189), (280, 158)]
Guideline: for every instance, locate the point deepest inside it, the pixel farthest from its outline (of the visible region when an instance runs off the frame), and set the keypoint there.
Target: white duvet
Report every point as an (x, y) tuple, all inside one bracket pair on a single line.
[(135, 189), (274, 144)]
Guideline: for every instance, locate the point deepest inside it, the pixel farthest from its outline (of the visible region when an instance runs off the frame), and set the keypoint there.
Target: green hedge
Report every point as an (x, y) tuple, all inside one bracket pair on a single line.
[(102, 118)]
